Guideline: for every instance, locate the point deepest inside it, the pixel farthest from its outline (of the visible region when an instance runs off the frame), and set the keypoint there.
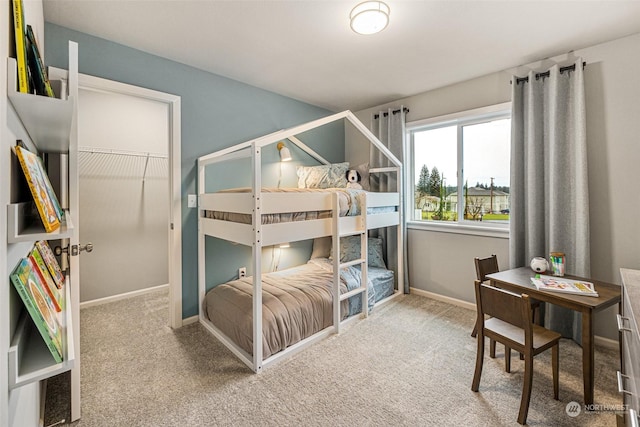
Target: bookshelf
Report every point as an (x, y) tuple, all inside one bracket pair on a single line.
[(47, 125), (46, 120), (29, 358), (21, 227)]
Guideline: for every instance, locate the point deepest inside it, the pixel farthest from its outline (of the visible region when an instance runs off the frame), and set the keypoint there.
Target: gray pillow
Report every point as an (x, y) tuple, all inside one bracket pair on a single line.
[(363, 170), (350, 250), (321, 247)]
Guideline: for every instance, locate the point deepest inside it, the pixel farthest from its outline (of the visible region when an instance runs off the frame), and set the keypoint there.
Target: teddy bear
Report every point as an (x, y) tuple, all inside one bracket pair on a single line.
[(353, 179)]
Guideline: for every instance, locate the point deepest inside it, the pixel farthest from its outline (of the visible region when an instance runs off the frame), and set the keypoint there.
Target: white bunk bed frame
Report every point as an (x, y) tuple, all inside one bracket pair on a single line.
[(258, 235)]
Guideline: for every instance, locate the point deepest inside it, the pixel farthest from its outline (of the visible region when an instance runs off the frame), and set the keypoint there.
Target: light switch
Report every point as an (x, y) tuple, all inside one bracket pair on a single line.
[(192, 201)]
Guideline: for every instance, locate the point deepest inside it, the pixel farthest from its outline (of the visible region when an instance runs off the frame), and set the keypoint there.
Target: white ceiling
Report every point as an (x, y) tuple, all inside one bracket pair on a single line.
[(305, 49)]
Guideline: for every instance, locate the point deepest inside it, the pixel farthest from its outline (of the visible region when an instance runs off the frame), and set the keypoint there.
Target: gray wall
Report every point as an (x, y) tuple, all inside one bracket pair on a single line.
[(442, 262), (216, 112), (126, 221), (125, 196)]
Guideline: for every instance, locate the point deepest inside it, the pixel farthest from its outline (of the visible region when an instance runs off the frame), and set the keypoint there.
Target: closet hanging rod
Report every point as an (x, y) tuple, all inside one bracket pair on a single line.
[(122, 152)]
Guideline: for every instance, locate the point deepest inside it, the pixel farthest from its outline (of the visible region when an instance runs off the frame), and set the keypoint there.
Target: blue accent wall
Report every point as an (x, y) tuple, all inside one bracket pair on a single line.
[(217, 112)]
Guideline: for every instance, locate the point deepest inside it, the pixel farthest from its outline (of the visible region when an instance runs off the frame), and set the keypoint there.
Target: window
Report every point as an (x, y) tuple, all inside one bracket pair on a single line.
[(460, 167)]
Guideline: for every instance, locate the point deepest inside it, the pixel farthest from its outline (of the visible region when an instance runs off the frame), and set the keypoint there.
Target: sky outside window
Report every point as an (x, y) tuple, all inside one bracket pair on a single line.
[(485, 153)]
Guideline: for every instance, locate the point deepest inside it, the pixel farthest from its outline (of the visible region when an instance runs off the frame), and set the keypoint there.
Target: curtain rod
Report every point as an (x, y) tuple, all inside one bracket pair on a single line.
[(571, 67), (376, 116)]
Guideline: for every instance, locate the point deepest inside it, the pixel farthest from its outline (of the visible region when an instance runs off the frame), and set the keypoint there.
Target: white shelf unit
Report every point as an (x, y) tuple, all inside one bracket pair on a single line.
[(19, 229), (29, 357), (48, 122)]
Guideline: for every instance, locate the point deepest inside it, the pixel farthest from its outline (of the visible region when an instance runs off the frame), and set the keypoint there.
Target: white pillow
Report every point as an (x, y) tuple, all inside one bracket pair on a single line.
[(323, 176)]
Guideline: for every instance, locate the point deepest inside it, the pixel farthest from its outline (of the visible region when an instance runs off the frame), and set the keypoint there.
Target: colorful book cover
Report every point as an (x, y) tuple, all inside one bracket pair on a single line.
[(38, 186), (36, 66), (564, 285), (52, 193), (38, 265), (25, 280), (21, 48), (51, 262)]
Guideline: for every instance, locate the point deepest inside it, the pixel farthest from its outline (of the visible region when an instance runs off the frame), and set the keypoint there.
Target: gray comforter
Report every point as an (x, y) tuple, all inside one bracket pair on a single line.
[(297, 303)]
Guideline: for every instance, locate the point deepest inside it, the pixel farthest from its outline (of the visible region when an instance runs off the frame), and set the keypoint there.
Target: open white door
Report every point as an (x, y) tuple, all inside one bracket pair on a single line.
[(72, 245), (74, 248)]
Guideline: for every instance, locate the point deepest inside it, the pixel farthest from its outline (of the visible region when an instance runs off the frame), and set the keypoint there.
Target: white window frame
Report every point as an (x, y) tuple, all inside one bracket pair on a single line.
[(468, 117)]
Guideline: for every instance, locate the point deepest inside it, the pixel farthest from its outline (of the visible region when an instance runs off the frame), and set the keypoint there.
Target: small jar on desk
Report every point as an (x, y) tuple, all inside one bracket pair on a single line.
[(558, 263)]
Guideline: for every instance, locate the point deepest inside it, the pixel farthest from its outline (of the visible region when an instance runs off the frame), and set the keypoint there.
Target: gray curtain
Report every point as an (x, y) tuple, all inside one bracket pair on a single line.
[(549, 193), (389, 127)]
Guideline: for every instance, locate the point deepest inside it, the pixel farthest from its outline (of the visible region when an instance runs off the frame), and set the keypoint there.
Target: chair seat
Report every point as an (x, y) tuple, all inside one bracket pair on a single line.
[(542, 338)]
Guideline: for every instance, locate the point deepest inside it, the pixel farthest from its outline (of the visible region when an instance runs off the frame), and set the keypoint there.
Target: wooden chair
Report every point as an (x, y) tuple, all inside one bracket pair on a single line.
[(489, 265), (511, 324), (486, 266)]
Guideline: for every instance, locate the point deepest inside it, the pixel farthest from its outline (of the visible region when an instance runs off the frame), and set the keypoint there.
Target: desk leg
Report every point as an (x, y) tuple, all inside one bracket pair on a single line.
[(587, 356)]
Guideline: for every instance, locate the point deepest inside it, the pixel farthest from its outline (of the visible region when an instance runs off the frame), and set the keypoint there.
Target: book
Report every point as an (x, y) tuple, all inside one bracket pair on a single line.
[(47, 182), (39, 266), (52, 193), (564, 285), (51, 262), (36, 66), (42, 195), (21, 48), (34, 298)]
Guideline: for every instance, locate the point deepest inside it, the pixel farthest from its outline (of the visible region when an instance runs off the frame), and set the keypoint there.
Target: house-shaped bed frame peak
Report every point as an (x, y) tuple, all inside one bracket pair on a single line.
[(245, 149)]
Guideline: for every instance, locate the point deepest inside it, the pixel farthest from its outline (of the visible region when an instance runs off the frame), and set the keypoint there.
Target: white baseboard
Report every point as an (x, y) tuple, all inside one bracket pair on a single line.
[(126, 295), (190, 320), (438, 297), (598, 340), (606, 342)]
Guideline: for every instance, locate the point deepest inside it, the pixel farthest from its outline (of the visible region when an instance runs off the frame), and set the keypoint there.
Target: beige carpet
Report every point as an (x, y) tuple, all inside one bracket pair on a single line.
[(410, 363)]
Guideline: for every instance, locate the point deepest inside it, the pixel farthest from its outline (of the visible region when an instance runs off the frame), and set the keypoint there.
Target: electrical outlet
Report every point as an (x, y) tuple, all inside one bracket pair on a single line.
[(242, 272)]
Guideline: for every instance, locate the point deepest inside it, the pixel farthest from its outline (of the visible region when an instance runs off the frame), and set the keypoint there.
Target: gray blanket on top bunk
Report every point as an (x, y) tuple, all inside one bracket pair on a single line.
[(297, 303)]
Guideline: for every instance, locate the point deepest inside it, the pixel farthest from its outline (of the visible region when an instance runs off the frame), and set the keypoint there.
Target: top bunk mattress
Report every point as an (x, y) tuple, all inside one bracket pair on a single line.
[(348, 202)]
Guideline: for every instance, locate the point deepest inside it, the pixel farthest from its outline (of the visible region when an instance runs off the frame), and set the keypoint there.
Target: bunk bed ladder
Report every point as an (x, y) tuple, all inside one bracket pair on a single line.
[(360, 230)]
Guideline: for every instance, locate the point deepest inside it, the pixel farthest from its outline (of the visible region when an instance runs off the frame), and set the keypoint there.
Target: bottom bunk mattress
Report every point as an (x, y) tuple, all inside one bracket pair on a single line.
[(297, 303)]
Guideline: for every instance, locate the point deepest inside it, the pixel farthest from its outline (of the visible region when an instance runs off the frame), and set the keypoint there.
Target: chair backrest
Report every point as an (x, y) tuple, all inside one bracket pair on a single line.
[(486, 266), (504, 305)]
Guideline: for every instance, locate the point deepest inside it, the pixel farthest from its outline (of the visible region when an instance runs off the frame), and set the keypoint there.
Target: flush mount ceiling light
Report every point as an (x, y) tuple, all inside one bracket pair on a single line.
[(369, 17)]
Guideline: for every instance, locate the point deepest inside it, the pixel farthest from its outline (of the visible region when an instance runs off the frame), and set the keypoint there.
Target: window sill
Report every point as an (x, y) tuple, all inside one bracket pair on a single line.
[(473, 230)]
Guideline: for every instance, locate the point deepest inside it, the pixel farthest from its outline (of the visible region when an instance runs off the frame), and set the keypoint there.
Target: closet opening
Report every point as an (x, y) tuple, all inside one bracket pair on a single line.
[(128, 175)]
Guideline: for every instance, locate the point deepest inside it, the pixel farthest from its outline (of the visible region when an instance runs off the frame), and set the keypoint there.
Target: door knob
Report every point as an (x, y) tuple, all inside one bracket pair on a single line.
[(88, 247), (75, 249)]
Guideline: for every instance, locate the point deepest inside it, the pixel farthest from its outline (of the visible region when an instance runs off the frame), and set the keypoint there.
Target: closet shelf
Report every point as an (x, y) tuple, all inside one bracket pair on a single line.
[(29, 357), (20, 229), (46, 120)]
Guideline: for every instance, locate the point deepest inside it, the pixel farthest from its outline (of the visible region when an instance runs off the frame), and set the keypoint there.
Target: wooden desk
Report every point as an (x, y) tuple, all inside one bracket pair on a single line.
[(519, 280)]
